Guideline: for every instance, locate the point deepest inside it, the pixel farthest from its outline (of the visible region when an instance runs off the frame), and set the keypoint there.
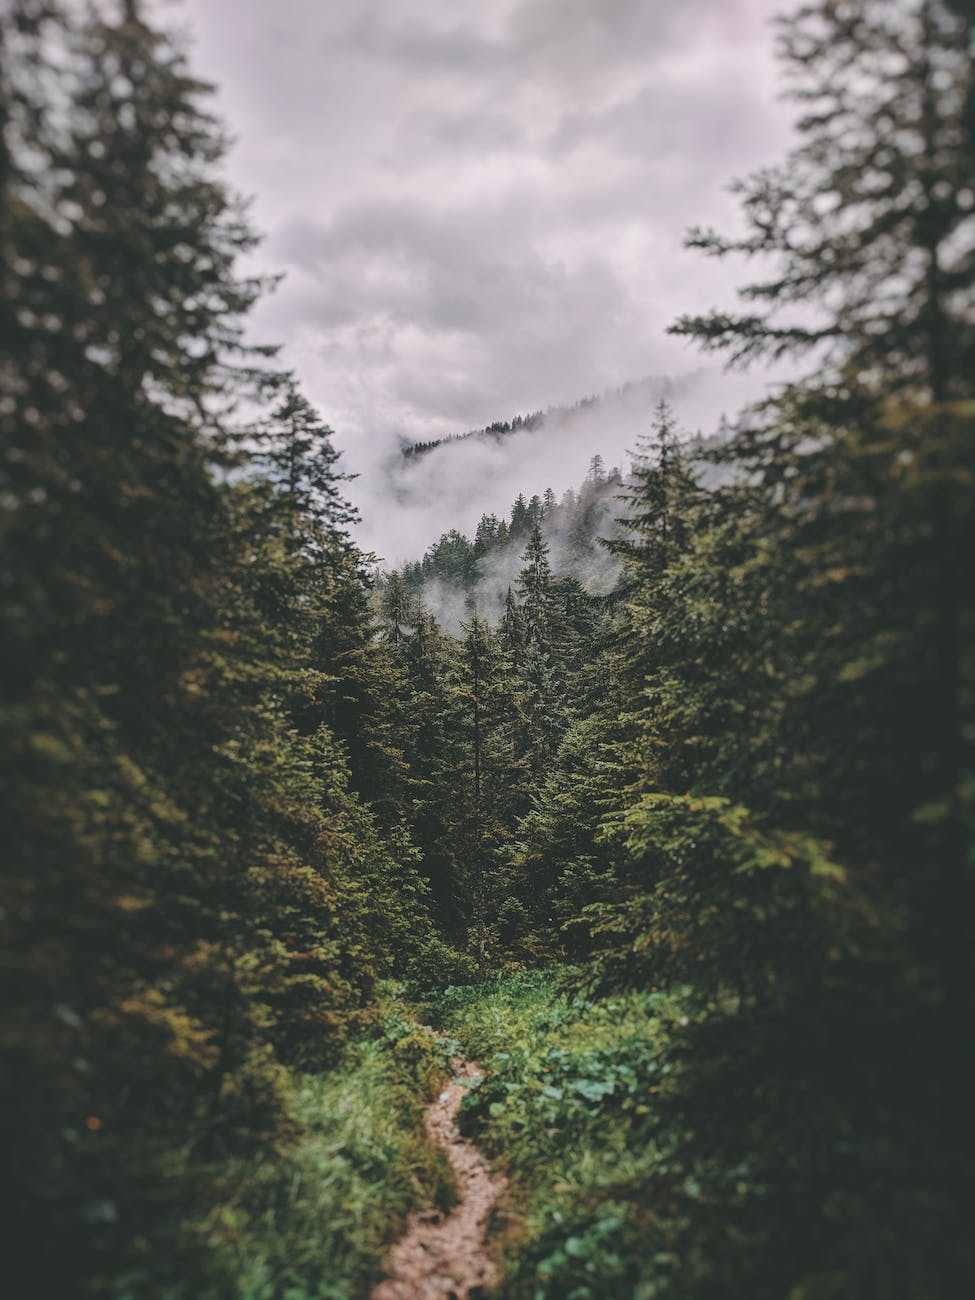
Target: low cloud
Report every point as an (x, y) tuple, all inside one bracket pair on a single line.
[(480, 209), (407, 503)]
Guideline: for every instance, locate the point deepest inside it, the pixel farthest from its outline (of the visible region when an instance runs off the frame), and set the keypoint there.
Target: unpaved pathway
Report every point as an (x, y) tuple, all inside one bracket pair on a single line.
[(443, 1256)]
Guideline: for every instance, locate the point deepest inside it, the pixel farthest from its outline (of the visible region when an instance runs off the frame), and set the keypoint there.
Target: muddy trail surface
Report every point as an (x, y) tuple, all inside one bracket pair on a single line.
[(445, 1256)]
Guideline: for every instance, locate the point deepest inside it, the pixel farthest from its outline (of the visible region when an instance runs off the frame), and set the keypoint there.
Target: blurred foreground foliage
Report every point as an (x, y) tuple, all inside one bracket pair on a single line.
[(200, 887), (240, 787)]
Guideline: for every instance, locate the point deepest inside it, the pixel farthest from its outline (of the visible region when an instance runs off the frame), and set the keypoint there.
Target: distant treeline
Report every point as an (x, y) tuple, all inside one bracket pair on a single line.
[(458, 574), (498, 430)]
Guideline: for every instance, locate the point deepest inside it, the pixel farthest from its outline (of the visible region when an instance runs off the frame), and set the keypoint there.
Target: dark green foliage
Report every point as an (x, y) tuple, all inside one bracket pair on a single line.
[(795, 656), (244, 778), (294, 450), (315, 1223), (195, 899)]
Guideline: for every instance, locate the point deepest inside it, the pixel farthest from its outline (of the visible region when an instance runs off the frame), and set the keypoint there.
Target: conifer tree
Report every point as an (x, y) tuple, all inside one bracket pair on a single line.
[(660, 494), (520, 524), (865, 227), (400, 611), (427, 660), (296, 451), (801, 680), (511, 629), (194, 896), (535, 589), (865, 221), (477, 775), (486, 535)]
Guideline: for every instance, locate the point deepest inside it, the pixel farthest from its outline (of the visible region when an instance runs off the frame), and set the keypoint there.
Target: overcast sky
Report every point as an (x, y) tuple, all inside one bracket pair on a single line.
[(479, 207)]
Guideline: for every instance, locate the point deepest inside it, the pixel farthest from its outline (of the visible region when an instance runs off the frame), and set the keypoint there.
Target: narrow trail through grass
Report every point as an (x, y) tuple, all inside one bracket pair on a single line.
[(444, 1256)]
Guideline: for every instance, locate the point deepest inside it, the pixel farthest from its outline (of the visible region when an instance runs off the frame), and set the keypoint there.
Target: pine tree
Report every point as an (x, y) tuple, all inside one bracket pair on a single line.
[(866, 218), (477, 776), (800, 684), (536, 592), (192, 885), (660, 495), (486, 535), (400, 611), (296, 451), (865, 223), (511, 629), (427, 666), (520, 525)]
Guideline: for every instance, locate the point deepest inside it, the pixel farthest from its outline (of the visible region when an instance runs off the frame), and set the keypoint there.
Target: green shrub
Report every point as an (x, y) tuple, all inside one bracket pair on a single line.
[(314, 1223), (568, 1105), (438, 964)]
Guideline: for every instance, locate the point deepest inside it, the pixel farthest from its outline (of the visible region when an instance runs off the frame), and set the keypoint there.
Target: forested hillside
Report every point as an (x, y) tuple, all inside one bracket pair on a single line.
[(458, 577), (656, 800), (636, 393)]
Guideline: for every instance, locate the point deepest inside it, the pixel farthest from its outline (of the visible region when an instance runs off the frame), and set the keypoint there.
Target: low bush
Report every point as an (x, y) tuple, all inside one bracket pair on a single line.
[(314, 1223), (568, 1106)]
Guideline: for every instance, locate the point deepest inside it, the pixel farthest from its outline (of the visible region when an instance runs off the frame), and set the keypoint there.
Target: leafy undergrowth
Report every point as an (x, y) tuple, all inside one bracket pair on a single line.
[(315, 1224), (567, 1107)]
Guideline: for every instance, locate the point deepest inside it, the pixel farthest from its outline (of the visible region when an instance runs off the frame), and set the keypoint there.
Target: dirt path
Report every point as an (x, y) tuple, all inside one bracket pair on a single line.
[(444, 1257)]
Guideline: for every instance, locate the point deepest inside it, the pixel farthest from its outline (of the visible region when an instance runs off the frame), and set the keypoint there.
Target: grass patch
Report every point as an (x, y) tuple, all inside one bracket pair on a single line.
[(567, 1107), (314, 1224)]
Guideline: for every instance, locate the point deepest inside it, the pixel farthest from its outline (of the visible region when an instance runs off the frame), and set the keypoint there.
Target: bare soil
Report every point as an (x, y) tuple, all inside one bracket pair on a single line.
[(444, 1256)]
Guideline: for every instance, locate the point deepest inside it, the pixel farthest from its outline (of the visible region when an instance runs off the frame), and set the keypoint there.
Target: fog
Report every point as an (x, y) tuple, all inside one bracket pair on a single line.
[(480, 210), (408, 502)]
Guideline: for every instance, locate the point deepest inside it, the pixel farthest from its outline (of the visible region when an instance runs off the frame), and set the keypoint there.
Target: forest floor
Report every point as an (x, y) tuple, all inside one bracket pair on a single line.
[(534, 1174), (445, 1256)]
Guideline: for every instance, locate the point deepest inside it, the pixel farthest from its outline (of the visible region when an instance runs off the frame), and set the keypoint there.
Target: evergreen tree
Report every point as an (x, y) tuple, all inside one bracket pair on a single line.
[(486, 536), (560, 863), (295, 449), (866, 219), (194, 896), (400, 611), (661, 493), (535, 589), (521, 521), (451, 559), (478, 763), (511, 629), (801, 669), (428, 664)]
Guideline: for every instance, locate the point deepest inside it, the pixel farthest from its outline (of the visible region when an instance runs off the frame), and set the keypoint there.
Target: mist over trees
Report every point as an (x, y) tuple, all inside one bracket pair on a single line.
[(657, 796), (458, 576)]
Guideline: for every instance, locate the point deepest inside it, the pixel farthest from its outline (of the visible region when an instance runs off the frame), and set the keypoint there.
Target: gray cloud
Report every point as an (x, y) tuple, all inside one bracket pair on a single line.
[(480, 208)]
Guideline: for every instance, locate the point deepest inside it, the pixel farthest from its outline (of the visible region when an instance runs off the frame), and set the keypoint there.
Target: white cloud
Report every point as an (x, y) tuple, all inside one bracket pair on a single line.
[(480, 208)]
